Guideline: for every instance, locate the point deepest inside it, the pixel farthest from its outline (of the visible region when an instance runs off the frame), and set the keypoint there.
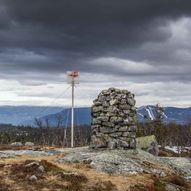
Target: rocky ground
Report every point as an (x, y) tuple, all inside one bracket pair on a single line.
[(84, 169)]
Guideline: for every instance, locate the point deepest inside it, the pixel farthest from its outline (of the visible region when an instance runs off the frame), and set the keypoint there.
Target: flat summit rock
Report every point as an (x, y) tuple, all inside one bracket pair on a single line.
[(120, 161)]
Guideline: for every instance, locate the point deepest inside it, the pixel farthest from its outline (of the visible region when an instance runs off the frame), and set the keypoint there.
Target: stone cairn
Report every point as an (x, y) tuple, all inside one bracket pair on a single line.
[(113, 120)]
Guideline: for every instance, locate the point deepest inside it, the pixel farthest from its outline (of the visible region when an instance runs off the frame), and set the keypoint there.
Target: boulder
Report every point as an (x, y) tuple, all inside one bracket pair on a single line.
[(29, 144), (33, 178), (148, 143), (16, 144)]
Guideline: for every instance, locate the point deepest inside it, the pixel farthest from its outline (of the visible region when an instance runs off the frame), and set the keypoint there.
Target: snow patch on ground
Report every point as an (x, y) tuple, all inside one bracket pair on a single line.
[(177, 149)]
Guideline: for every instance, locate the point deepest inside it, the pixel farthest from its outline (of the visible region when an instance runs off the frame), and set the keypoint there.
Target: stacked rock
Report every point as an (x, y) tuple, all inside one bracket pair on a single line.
[(114, 120)]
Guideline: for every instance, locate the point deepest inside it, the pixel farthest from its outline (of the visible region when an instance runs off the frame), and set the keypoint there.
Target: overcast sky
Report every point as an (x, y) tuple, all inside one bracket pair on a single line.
[(140, 45)]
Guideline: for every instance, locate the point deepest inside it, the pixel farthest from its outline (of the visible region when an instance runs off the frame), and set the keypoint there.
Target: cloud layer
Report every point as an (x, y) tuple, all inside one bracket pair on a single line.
[(135, 42)]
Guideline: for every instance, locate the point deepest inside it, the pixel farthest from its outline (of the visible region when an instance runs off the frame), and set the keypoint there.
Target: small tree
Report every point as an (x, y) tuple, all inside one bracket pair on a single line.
[(159, 127)]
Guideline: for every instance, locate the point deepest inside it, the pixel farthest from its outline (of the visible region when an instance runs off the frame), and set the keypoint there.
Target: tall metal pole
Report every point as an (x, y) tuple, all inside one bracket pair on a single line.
[(72, 79), (72, 116)]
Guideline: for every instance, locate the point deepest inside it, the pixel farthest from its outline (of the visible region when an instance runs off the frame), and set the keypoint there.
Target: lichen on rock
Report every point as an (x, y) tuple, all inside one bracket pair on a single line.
[(148, 143)]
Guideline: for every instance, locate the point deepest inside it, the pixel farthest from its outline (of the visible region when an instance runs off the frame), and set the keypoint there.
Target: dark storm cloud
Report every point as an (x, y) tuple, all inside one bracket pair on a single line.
[(55, 36)]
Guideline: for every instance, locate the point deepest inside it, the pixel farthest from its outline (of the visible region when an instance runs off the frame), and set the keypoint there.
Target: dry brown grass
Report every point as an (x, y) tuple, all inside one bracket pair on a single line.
[(157, 166), (14, 148), (82, 177), (167, 153), (75, 177), (177, 180)]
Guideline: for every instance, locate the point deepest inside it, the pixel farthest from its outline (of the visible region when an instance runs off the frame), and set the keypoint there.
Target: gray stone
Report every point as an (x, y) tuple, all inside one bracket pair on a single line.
[(173, 187), (95, 127), (115, 119), (124, 107), (94, 115), (40, 169), (133, 108), (116, 134), (188, 178), (107, 130), (111, 89), (109, 114), (96, 121), (130, 119), (95, 131), (132, 128), (163, 174), (33, 178), (105, 104), (121, 114), (103, 118), (126, 112), (17, 144), (131, 101), (32, 164), (125, 134), (118, 97), (126, 119), (130, 95), (153, 149), (132, 143), (113, 102), (123, 101), (123, 128), (29, 144), (105, 92), (95, 100), (112, 144), (108, 98), (112, 109), (108, 124), (123, 144), (127, 139), (117, 91), (135, 118), (101, 98), (97, 109), (97, 103), (132, 135), (124, 91), (117, 126)]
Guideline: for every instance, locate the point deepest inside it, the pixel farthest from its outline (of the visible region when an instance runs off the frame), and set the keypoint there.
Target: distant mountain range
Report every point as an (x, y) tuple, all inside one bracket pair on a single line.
[(16, 115), (25, 115)]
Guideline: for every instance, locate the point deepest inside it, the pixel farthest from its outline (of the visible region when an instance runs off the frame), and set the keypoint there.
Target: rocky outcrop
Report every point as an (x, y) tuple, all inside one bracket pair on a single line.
[(120, 161), (14, 153), (113, 120)]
